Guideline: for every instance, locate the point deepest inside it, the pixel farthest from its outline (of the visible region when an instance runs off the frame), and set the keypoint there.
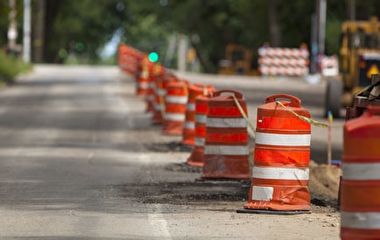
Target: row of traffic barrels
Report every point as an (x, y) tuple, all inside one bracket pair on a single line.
[(212, 122)]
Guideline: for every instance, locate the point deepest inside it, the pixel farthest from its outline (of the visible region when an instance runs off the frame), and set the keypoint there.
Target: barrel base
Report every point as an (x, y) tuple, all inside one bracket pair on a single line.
[(157, 118), (196, 157), (188, 142), (226, 166), (172, 128), (227, 176), (359, 234), (260, 211)]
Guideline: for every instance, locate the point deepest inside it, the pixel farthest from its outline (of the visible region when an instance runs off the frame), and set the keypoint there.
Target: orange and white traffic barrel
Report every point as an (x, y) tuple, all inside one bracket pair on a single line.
[(149, 98), (226, 153), (280, 173), (159, 96), (122, 51), (125, 57), (201, 109), (128, 59), (175, 107), (360, 184), (136, 65), (143, 81), (155, 71), (188, 136)]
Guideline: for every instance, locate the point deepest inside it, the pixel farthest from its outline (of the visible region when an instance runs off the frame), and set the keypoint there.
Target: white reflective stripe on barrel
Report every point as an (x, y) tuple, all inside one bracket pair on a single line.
[(175, 117), (150, 97), (143, 85), (189, 125), (262, 193), (190, 107), (226, 122), (280, 173), (282, 139), (200, 118), (361, 171), (157, 106), (360, 220), (176, 99), (199, 141), (226, 150), (161, 92), (144, 74)]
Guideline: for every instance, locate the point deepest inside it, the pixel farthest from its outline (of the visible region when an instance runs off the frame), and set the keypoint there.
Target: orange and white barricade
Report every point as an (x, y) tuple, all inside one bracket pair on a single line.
[(283, 61), (226, 153), (188, 136), (280, 173), (128, 59), (330, 66), (142, 87), (360, 184), (201, 109), (155, 71), (175, 107), (159, 96)]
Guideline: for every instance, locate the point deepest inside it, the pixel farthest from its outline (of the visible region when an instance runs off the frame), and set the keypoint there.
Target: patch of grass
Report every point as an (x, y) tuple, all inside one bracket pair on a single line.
[(10, 67)]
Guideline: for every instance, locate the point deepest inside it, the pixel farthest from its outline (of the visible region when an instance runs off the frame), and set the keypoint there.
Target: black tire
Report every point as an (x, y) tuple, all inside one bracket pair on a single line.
[(334, 92)]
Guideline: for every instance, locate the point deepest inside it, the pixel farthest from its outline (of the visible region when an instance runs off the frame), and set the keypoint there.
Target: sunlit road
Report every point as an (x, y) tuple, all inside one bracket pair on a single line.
[(69, 135), (64, 141)]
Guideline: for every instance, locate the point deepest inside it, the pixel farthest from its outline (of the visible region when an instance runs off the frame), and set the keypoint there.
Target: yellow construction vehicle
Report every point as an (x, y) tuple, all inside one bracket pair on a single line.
[(237, 61), (359, 59)]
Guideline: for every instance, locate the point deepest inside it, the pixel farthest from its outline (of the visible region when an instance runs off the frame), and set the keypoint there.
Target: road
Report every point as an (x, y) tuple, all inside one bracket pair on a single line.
[(79, 159)]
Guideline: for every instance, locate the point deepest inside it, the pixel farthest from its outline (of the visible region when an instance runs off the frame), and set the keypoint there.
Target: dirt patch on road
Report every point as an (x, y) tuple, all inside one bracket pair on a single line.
[(323, 185), (169, 147)]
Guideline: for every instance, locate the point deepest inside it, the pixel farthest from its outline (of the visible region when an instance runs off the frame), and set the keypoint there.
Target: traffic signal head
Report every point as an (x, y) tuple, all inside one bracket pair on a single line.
[(153, 57)]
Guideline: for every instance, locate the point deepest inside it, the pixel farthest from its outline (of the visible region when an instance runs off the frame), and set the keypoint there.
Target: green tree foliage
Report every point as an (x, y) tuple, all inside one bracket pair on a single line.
[(83, 27)]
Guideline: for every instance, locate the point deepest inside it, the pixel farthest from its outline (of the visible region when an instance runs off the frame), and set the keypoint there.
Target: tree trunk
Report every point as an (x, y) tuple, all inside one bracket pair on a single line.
[(204, 63), (52, 10), (350, 10), (38, 31), (274, 31), (362, 10)]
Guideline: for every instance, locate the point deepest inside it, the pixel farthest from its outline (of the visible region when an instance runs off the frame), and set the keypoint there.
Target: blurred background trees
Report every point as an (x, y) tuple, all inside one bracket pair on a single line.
[(68, 29)]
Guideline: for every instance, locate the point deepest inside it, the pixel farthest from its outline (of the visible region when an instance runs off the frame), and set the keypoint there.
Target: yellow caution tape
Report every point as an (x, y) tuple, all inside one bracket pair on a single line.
[(306, 119), (205, 90), (243, 114), (184, 84)]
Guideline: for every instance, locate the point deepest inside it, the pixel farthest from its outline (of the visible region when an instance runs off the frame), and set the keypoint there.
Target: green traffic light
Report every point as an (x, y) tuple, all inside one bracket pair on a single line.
[(153, 57)]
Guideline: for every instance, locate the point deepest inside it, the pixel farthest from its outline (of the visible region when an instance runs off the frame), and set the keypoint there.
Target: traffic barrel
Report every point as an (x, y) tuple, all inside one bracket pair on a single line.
[(226, 153), (159, 96), (122, 50), (188, 136), (143, 80), (125, 58), (175, 107), (360, 184), (280, 173), (129, 58), (201, 109), (155, 71)]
